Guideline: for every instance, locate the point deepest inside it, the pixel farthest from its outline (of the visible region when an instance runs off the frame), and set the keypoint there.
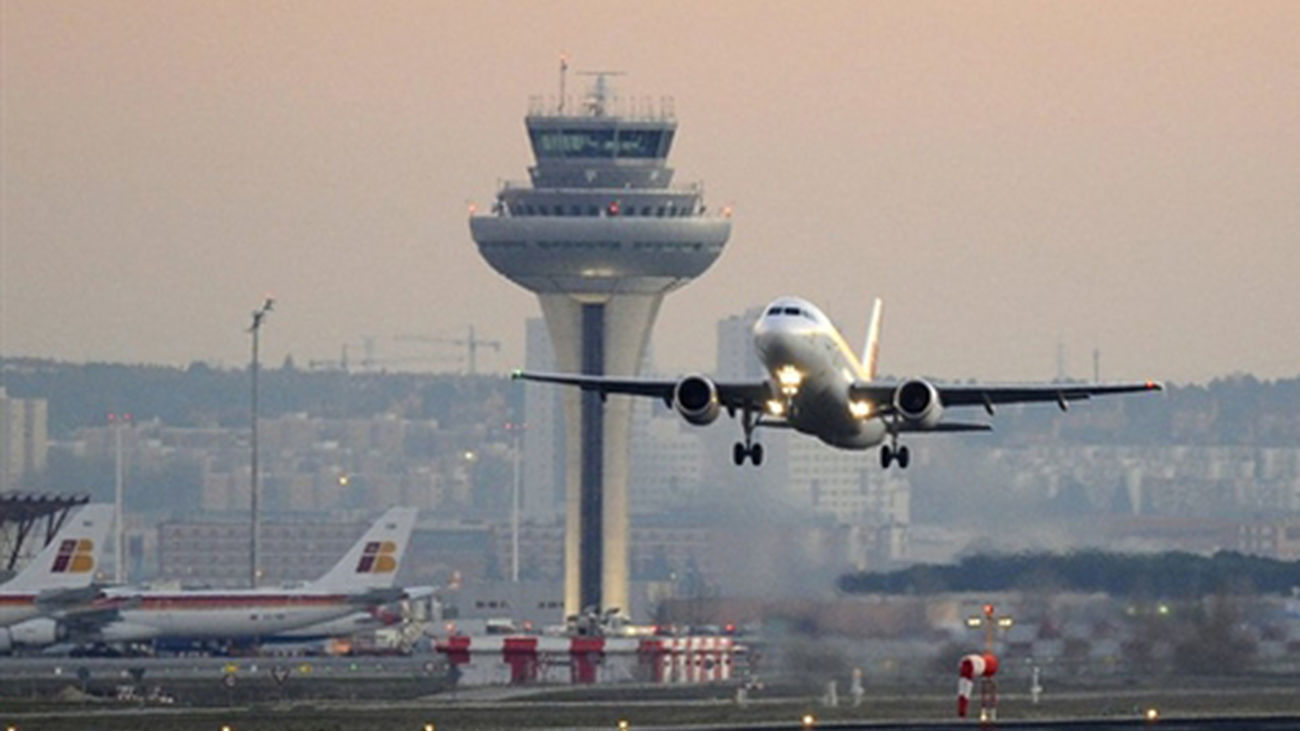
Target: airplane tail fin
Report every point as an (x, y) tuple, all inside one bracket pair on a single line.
[(70, 559), (871, 349), (373, 561)]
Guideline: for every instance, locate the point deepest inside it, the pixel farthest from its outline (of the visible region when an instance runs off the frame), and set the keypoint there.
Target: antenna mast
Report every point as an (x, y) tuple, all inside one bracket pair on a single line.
[(564, 69)]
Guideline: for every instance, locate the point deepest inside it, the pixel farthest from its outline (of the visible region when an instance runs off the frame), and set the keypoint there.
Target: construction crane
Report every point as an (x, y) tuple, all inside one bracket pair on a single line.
[(471, 343), (369, 361)]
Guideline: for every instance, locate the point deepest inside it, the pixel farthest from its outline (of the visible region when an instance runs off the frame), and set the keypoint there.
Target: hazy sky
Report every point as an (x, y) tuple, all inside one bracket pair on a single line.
[(1005, 175)]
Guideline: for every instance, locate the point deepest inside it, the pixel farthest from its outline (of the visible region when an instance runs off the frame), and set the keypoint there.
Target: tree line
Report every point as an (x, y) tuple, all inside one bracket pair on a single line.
[(1170, 575)]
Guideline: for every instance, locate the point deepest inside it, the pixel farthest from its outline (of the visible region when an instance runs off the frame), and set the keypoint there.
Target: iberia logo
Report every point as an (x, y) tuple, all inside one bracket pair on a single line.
[(76, 556), (377, 558)]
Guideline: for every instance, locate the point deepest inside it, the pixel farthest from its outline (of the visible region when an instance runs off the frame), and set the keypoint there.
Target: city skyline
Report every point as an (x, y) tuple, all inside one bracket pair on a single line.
[(1006, 175)]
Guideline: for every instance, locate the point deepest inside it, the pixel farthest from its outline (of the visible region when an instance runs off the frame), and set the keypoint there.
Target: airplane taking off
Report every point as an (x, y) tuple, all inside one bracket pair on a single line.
[(59, 579), (817, 385), (363, 577)]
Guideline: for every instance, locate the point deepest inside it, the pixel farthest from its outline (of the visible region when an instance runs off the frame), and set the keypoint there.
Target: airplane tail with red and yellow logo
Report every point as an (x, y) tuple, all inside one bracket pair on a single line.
[(69, 560), (373, 561)]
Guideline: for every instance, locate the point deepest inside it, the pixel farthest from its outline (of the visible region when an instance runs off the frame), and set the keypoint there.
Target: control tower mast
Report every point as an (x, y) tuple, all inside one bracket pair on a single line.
[(600, 234)]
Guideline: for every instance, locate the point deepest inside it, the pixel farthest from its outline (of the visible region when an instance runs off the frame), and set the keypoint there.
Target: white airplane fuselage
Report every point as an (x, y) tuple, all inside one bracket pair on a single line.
[(810, 367), (222, 614), (17, 607)]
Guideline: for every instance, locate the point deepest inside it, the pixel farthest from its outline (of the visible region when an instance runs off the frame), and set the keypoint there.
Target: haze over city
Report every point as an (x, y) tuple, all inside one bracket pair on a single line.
[(1006, 175)]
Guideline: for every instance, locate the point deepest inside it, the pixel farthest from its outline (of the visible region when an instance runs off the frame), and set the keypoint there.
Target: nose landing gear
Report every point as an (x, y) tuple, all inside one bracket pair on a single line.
[(748, 448)]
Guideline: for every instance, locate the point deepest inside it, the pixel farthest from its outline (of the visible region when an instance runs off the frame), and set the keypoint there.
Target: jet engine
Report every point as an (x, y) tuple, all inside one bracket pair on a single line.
[(917, 401), (37, 632), (696, 399)]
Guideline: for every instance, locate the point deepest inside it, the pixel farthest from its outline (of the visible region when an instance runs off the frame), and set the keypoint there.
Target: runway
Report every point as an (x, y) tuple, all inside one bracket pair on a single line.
[(396, 693)]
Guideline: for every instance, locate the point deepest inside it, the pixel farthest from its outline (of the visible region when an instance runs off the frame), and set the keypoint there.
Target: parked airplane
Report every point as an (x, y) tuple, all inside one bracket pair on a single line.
[(369, 618), (58, 580), (817, 385), (363, 577)]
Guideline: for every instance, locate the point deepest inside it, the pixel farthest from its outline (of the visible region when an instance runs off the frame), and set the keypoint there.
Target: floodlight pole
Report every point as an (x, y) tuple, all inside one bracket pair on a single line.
[(517, 433), (119, 514), (258, 315)]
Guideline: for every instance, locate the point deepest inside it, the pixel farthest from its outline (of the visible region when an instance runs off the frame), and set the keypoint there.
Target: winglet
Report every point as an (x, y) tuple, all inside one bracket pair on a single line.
[(871, 349)]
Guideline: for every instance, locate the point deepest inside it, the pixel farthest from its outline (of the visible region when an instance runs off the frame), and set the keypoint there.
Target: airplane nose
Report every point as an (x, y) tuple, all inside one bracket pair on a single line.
[(771, 345)]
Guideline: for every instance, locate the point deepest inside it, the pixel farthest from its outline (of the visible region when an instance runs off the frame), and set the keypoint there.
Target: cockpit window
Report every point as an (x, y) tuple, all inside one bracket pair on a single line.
[(792, 311), (774, 311)]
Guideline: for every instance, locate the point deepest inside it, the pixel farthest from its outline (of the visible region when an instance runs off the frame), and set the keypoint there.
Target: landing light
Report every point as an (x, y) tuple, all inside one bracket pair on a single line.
[(860, 409), (789, 377), (808, 720), (1153, 714), (775, 408)]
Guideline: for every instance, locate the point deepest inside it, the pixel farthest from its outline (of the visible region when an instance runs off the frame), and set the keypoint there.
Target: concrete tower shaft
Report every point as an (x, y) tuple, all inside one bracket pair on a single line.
[(600, 234)]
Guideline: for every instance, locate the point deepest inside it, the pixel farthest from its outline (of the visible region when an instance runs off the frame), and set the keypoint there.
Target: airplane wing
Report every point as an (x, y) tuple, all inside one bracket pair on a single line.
[(733, 395), (53, 600), (987, 395)]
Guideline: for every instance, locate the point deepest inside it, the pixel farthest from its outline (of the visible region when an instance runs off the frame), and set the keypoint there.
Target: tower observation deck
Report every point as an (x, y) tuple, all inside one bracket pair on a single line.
[(600, 233)]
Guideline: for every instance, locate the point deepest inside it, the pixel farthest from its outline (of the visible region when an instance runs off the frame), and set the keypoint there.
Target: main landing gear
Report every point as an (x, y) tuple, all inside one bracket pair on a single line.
[(740, 451), (748, 448), (889, 454)]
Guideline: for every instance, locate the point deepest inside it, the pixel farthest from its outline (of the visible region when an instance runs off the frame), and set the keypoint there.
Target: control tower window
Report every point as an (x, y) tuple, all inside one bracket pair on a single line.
[(639, 142), (573, 142)]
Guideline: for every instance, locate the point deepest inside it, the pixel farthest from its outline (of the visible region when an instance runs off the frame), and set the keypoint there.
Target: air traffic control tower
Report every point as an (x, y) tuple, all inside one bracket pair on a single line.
[(600, 234)]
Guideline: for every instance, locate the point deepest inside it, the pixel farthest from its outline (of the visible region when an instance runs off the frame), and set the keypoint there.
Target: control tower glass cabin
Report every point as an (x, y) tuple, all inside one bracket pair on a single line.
[(600, 234)]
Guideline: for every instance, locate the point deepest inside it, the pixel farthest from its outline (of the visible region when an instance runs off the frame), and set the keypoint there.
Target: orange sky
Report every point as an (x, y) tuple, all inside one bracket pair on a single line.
[(1005, 175)]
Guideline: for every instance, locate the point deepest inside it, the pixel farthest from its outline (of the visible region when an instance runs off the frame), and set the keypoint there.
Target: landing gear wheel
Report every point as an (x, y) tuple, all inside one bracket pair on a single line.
[(904, 456), (756, 454), (738, 453), (886, 456)]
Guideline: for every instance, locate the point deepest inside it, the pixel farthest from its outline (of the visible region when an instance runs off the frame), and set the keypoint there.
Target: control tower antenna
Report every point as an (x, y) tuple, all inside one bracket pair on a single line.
[(564, 71), (600, 96)]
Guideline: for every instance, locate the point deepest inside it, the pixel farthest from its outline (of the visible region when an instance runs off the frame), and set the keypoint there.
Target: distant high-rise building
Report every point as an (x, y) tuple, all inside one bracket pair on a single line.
[(667, 457), (24, 439), (737, 359)]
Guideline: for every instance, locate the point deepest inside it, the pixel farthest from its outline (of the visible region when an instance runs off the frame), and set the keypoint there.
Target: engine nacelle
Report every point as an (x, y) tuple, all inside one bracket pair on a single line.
[(917, 401), (37, 632), (696, 399)]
